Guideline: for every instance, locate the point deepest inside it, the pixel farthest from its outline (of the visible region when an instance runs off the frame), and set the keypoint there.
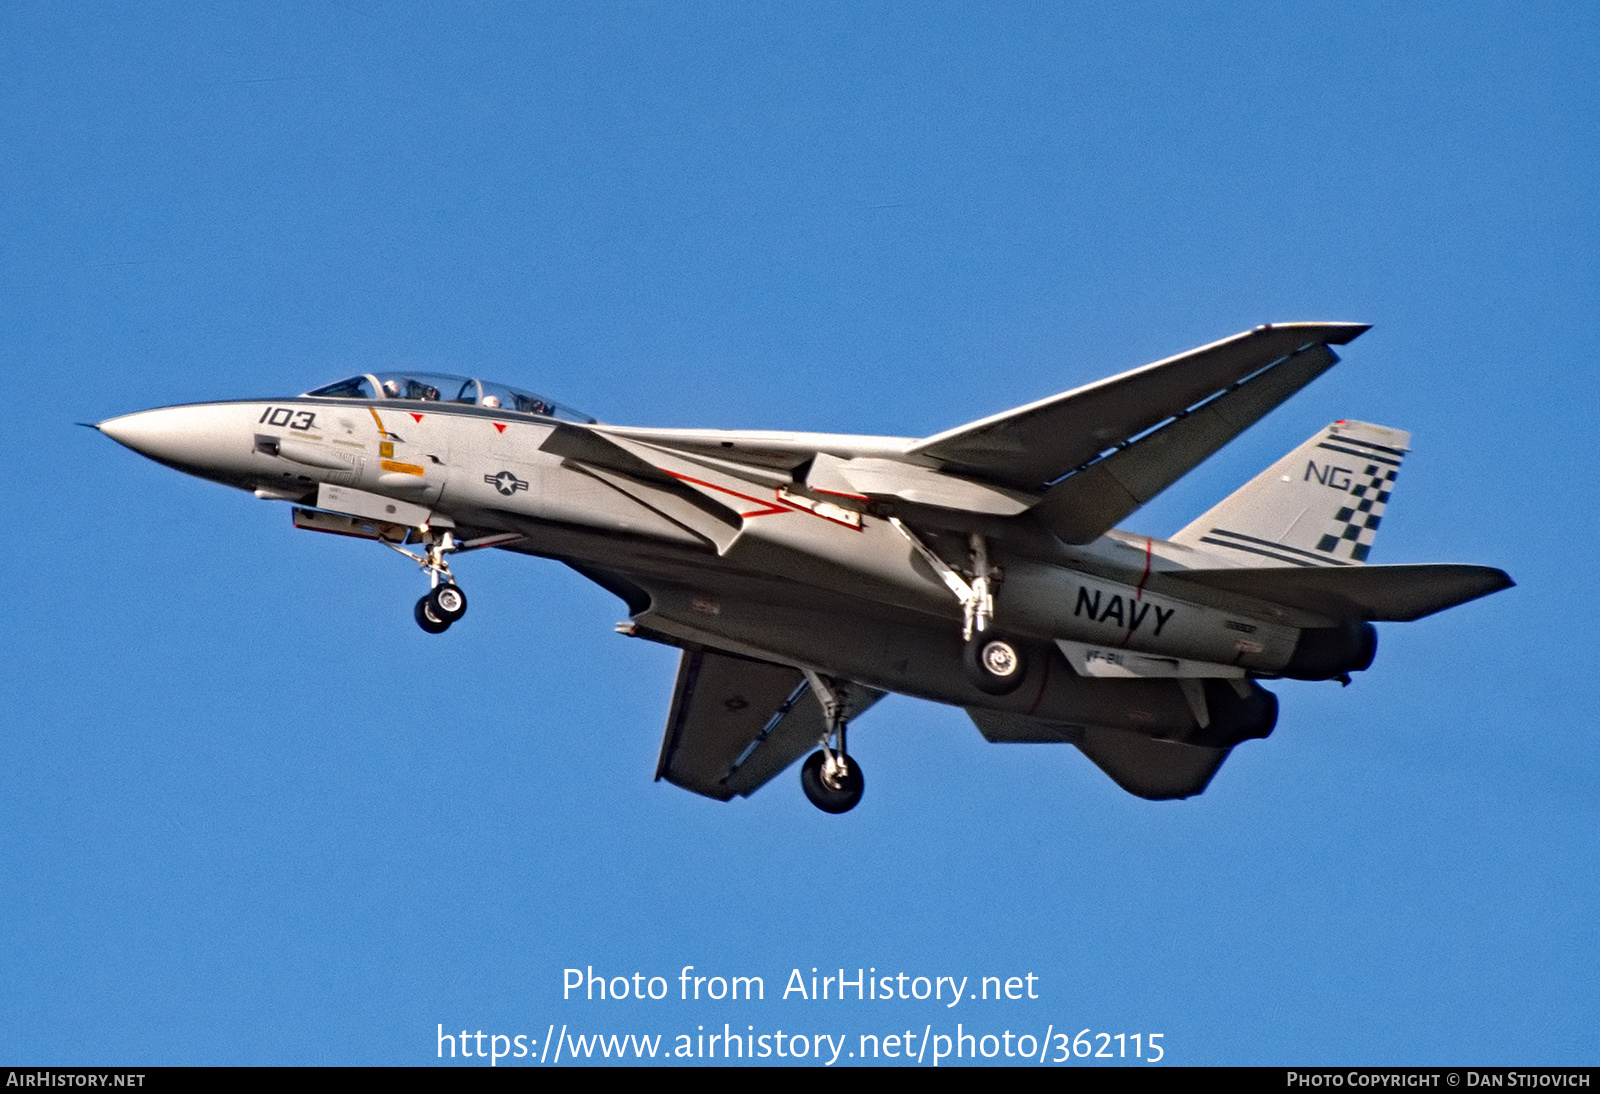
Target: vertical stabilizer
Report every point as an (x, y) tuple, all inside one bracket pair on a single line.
[(1318, 506)]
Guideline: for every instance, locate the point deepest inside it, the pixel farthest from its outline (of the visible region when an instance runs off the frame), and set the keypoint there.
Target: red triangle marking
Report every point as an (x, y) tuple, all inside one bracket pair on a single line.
[(500, 427), (418, 417)]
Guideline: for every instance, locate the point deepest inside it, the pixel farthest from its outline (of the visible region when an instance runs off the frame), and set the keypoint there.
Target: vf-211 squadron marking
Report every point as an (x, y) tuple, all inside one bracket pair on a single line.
[(804, 575)]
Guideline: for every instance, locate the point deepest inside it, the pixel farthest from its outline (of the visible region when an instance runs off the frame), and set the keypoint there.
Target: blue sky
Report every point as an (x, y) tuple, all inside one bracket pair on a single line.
[(253, 815)]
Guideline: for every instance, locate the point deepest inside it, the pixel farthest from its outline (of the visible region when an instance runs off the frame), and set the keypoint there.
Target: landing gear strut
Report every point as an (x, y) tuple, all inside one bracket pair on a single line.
[(830, 778), (994, 662), (445, 602)]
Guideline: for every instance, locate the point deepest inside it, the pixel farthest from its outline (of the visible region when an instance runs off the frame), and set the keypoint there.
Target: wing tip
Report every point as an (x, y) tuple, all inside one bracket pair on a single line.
[(1333, 334)]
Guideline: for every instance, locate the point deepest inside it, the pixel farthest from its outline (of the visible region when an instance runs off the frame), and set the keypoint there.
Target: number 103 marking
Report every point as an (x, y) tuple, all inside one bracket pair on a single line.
[(282, 415)]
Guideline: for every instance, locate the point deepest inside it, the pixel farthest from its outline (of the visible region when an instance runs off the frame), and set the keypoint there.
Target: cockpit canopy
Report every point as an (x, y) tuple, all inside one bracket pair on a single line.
[(439, 388)]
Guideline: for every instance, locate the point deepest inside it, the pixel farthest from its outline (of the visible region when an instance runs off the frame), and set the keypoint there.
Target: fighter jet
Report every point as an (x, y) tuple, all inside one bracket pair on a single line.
[(805, 575)]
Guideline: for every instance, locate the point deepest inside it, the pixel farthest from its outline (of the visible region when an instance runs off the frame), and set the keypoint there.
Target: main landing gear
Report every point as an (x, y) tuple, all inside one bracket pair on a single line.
[(995, 663), (832, 787), (831, 779), (445, 602)]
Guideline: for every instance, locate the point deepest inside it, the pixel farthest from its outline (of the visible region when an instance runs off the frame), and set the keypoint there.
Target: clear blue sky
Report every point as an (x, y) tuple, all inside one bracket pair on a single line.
[(252, 814)]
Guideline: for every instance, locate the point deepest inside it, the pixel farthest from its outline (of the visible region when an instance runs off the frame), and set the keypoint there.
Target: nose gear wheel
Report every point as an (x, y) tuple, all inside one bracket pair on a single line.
[(447, 602), (427, 620)]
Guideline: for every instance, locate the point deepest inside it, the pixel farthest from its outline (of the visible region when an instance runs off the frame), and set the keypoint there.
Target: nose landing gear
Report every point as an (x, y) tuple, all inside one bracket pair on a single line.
[(445, 602)]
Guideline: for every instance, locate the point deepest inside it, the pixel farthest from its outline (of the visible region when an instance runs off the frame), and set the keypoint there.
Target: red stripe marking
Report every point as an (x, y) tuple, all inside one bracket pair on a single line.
[(1138, 594), (841, 494), (765, 510)]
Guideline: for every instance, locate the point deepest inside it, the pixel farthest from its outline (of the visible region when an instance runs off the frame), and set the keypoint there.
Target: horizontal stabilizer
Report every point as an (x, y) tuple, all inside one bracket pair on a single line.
[(1033, 445), (1149, 768), (1378, 594), (1152, 769)]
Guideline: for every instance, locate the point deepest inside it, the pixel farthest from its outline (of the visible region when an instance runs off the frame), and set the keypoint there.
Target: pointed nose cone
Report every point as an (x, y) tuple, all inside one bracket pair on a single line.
[(204, 440), (165, 435), (135, 431)]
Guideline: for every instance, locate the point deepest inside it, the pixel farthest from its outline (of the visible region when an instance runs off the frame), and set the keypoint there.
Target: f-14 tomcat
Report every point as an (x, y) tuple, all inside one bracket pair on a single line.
[(804, 575)]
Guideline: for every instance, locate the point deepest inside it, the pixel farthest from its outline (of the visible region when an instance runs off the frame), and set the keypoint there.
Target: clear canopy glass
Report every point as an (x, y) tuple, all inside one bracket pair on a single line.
[(440, 388)]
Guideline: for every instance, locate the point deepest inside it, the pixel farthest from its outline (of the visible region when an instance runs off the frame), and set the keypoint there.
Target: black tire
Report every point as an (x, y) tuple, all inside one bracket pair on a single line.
[(427, 620), (447, 602), (825, 797), (994, 663)]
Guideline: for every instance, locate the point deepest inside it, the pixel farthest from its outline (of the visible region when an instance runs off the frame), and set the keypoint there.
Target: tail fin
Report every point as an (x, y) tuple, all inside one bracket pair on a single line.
[(1318, 506)]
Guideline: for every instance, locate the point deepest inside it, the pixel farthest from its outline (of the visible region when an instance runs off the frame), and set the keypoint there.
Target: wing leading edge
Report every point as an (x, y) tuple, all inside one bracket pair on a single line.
[(1037, 444), (1079, 462)]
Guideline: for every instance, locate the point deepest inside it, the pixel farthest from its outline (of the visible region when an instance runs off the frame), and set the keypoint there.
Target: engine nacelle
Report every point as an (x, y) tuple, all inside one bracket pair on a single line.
[(1327, 653), (1235, 717)]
